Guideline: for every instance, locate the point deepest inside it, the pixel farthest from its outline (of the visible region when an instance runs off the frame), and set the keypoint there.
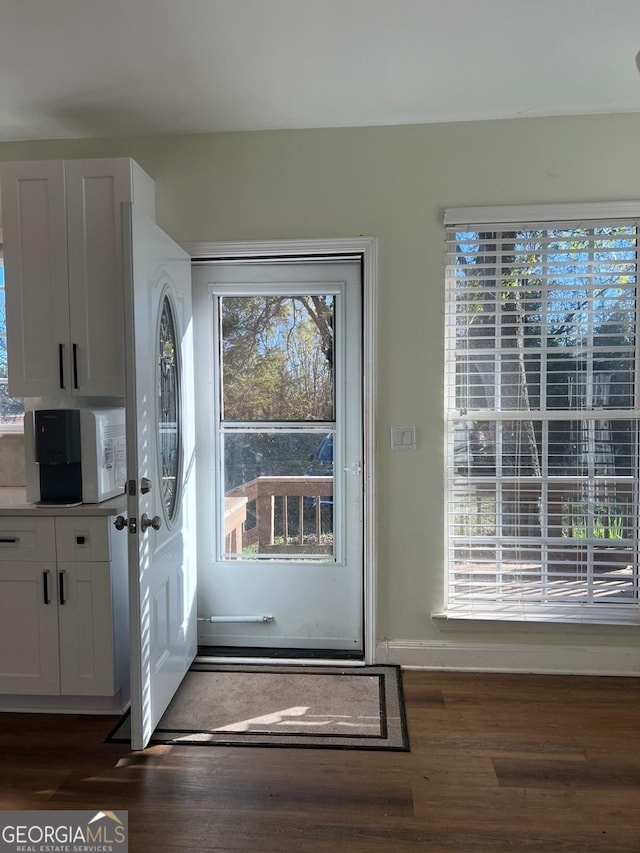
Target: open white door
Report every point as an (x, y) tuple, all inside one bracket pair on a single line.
[(160, 469)]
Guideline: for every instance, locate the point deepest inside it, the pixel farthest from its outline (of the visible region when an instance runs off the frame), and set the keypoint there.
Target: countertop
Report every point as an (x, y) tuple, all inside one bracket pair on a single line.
[(13, 501)]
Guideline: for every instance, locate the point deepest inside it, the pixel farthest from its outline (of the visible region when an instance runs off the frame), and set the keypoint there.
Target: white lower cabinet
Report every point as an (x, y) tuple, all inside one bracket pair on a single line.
[(63, 608), (29, 658)]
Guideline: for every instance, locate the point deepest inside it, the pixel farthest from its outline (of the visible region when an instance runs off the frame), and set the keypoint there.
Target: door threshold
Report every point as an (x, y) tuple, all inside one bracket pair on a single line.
[(251, 654)]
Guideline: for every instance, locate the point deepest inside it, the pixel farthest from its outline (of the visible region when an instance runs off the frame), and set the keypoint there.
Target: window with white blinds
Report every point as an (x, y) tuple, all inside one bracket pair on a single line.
[(542, 463)]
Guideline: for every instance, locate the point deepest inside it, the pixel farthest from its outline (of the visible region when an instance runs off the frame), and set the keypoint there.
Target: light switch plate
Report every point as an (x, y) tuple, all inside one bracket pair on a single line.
[(403, 438)]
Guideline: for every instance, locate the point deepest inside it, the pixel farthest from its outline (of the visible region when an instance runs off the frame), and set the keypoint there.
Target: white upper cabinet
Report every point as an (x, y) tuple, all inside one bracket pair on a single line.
[(63, 273)]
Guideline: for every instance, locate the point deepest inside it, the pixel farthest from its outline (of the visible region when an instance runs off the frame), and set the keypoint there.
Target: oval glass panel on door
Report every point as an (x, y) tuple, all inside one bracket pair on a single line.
[(169, 415)]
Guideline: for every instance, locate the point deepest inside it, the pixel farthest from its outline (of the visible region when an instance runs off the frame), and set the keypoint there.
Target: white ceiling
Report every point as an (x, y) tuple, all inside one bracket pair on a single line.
[(83, 68)]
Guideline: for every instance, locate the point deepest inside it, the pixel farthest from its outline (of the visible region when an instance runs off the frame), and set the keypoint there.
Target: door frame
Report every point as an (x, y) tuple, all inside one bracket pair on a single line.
[(366, 248)]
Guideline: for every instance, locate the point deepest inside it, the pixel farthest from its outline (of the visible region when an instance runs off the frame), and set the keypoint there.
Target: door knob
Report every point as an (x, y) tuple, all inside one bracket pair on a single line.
[(145, 485), (155, 522), (121, 522)]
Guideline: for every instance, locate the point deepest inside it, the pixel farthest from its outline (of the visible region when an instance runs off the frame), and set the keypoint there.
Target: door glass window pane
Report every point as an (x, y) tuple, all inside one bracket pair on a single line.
[(278, 492), (169, 438), (277, 358)]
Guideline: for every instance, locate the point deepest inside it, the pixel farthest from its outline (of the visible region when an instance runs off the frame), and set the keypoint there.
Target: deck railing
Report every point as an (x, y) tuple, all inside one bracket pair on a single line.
[(302, 494)]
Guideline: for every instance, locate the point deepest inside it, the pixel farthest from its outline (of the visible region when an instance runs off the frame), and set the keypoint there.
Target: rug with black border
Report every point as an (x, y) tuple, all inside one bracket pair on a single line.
[(331, 707)]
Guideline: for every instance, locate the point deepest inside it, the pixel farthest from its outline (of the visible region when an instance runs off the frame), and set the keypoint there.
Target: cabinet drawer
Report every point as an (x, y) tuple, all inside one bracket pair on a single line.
[(83, 539), (24, 538)]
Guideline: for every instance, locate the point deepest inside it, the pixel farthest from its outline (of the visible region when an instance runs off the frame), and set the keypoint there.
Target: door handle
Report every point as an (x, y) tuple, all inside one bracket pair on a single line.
[(356, 469), (155, 522), (120, 522), (145, 486), (61, 597)]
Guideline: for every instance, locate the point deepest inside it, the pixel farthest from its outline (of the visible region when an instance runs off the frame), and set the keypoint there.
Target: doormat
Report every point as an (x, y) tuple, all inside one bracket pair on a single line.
[(294, 706)]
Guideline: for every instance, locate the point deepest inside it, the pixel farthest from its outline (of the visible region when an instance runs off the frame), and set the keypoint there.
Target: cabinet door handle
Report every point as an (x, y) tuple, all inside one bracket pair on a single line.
[(61, 364), (9, 540), (62, 599), (45, 586), (75, 365)]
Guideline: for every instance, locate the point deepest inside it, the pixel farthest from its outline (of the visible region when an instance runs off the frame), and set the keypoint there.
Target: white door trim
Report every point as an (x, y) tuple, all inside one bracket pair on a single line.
[(366, 247)]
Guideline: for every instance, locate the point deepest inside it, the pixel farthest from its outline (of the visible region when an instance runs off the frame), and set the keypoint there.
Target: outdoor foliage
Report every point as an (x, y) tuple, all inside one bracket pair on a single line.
[(277, 358)]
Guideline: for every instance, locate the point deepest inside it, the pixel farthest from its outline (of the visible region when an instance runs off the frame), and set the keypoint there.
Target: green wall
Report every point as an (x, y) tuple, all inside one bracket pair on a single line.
[(392, 183)]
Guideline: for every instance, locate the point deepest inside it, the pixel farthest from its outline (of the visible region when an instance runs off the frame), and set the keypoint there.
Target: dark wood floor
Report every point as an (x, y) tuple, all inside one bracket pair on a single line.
[(497, 763)]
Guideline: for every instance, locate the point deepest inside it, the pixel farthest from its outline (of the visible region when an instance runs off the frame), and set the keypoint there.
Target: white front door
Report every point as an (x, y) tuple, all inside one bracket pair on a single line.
[(280, 454), (160, 469)]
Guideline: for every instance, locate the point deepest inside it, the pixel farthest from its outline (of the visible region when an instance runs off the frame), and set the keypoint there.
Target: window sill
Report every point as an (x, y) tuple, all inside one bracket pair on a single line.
[(587, 615)]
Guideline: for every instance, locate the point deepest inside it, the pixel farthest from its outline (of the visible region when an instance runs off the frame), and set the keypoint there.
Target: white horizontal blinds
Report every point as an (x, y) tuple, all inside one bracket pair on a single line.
[(542, 427)]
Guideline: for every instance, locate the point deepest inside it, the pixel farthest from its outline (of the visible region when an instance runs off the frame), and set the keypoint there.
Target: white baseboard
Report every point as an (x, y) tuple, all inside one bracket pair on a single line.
[(506, 657)]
